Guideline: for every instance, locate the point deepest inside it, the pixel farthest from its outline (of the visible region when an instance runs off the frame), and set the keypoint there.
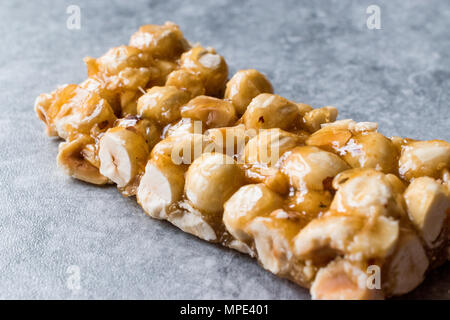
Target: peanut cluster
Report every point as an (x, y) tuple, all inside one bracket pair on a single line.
[(315, 200)]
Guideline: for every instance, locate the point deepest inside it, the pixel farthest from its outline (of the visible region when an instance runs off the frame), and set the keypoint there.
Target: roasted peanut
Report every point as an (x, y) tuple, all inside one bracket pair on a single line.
[(273, 236), (303, 108), (123, 154), (162, 70), (267, 111), (424, 158), (228, 140), (313, 119), (128, 102), (370, 150), (343, 280), (124, 150), (349, 124), (160, 187), (244, 86), (72, 160), (310, 167), (330, 138), (186, 80), (400, 142), (248, 202), (149, 130), (47, 106), (99, 88), (72, 110), (211, 111), (354, 236), (211, 180), (405, 268), (209, 66), (122, 67), (269, 145), (166, 41), (427, 203), (193, 221), (182, 127), (162, 104), (367, 192), (183, 149), (272, 177)]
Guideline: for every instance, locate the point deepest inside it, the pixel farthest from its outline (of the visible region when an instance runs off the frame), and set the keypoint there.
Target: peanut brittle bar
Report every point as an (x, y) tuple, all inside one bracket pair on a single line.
[(327, 204)]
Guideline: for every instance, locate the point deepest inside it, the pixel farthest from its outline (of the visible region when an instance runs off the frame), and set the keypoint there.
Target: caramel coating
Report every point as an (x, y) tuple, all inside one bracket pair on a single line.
[(310, 202)]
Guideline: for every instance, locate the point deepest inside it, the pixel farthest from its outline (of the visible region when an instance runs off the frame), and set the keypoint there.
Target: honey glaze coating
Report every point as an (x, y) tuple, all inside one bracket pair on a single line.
[(319, 201)]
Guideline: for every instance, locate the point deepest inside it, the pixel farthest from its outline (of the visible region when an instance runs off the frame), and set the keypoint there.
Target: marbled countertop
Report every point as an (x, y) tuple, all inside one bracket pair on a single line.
[(321, 53)]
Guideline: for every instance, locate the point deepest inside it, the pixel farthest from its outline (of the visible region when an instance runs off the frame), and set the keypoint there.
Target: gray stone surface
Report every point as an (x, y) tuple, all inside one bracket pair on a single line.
[(318, 52)]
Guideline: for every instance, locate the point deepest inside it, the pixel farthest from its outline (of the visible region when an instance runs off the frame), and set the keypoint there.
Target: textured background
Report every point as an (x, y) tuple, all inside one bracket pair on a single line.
[(321, 53)]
